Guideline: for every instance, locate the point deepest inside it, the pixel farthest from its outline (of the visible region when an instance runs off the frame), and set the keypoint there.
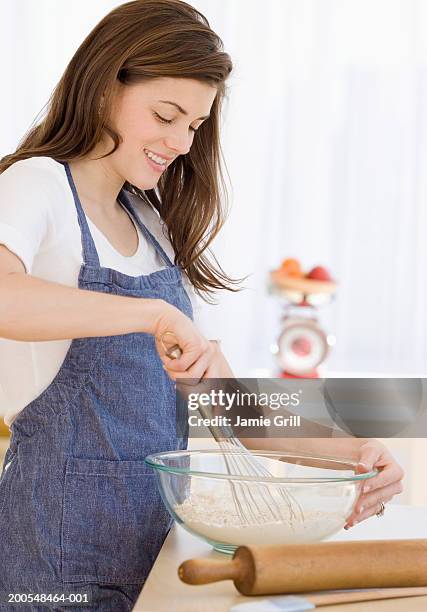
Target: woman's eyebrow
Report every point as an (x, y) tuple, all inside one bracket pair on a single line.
[(181, 110)]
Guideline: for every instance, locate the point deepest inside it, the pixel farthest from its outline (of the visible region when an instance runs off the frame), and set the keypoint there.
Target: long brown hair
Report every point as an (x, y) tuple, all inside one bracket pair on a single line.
[(137, 41)]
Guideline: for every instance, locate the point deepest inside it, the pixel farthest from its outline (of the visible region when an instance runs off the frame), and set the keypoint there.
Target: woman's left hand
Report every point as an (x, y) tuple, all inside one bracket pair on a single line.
[(380, 488)]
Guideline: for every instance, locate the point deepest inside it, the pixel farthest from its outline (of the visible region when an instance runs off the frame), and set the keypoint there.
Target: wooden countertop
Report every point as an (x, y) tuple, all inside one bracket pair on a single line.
[(163, 591)]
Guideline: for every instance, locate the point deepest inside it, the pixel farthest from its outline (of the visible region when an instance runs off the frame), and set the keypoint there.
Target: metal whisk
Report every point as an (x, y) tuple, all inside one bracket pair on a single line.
[(253, 505)]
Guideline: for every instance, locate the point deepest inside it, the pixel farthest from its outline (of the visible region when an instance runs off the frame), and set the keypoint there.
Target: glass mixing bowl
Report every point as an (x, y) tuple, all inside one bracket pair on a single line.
[(304, 498)]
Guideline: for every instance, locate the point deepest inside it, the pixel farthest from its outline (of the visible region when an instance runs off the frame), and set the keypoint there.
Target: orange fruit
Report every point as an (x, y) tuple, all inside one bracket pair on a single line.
[(291, 267)]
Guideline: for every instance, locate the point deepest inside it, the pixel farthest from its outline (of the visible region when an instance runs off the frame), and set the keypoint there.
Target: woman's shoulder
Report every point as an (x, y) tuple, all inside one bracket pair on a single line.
[(44, 167), (36, 176), (32, 212)]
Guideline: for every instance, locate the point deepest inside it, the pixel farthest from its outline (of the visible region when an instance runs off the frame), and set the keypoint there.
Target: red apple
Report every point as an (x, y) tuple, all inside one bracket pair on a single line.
[(319, 273)]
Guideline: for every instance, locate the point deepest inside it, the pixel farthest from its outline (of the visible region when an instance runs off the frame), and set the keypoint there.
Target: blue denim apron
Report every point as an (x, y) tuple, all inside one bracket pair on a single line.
[(79, 509)]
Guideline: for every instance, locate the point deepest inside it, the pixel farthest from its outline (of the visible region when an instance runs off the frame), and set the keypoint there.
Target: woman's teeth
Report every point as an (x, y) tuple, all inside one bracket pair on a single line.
[(155, 158)]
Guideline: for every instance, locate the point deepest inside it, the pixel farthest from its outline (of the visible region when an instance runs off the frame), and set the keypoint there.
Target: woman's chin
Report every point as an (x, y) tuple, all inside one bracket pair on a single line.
[(143, 183)]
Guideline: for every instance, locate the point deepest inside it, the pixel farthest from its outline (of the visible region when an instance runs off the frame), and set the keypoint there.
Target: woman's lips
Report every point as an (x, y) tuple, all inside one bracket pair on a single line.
[(157, 167)]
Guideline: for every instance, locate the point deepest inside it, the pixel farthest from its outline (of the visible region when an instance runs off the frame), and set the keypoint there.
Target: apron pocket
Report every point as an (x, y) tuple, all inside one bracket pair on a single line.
[(114, 522)]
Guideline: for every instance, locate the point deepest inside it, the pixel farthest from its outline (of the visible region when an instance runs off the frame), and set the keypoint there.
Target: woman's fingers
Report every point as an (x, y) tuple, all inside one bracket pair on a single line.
[(182, 364), (196, 371), (191, 353), (389, 474), (380, 488), (374, 454), (174, 328), (211, 364), (370, 454), (392, 472), (373, 499), (369, 505)]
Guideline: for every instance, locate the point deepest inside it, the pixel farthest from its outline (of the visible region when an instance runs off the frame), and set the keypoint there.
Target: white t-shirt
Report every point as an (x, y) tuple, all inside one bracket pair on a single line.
[(39, 223)]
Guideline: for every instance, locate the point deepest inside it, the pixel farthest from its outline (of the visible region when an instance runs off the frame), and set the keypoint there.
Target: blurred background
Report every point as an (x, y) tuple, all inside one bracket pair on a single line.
[(325, 141)]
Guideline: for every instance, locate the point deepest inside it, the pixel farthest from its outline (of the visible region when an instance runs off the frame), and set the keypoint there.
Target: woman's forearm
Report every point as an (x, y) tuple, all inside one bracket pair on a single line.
[(339, 448), (32, 309), (318, 439)]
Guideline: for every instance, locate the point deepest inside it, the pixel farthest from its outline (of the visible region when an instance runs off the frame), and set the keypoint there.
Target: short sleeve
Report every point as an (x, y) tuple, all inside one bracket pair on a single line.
[(25, 189)]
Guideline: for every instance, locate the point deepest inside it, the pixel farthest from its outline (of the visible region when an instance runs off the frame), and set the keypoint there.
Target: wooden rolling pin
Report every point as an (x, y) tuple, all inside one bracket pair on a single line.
[(300, 568)]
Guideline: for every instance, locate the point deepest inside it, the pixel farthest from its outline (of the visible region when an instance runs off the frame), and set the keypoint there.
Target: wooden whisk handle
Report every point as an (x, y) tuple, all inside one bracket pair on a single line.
[(173, 352)]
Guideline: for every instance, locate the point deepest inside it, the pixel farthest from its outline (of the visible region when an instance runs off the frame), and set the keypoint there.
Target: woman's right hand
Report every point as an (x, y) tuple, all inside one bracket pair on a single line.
[(197, 351)]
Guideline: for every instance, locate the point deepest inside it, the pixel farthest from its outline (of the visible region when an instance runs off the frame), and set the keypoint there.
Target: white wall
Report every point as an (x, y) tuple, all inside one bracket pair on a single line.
[(325, 138)]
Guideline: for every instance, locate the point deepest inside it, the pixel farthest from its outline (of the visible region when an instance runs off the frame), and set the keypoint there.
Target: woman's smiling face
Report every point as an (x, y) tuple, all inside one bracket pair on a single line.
[(157, 120)]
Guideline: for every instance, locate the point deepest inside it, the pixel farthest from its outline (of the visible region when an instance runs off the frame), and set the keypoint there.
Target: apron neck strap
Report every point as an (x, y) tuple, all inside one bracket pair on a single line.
[(124, 198), (89, 252)]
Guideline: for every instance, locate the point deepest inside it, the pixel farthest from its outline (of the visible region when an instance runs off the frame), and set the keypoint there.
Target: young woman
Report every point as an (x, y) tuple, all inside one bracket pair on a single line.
[(106, 210)]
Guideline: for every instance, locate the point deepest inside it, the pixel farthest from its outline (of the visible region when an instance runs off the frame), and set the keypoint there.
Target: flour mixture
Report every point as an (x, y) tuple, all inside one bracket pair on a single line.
[(216, 518)]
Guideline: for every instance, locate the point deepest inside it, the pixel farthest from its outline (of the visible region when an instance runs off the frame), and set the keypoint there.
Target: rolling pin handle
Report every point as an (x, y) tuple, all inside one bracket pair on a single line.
[(204, 571)]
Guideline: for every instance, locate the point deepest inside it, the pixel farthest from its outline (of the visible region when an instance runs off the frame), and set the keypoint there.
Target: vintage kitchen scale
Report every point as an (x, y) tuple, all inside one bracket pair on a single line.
[(302, 344)]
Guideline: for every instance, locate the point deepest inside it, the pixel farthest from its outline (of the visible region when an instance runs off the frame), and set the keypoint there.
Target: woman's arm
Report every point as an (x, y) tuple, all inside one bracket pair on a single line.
[(337, 448), (32, 309)]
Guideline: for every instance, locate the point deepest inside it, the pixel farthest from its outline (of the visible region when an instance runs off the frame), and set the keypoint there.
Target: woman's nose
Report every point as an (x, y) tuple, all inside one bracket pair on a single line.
[(180, 143)]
